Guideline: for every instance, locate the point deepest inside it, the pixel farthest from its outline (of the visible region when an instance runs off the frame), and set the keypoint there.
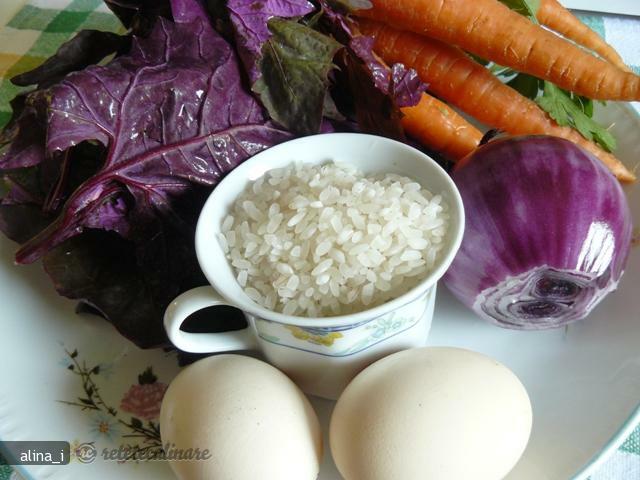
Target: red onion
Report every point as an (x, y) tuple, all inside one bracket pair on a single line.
[(547, 236)]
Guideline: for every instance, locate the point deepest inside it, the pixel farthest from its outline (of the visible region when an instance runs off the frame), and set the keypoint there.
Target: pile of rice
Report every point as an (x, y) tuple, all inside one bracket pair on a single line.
[(326, 240)]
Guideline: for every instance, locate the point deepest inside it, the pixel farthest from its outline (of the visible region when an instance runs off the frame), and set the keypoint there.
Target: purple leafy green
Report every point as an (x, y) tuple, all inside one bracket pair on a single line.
[(365, 86), (21, 213), (139, 15), (374, 109), (405, 85), (107, 170), (250, 17), (105, 271), (362, 47), (377, 92), (402, 84), (23, 138), (160, 138), (185, 11)]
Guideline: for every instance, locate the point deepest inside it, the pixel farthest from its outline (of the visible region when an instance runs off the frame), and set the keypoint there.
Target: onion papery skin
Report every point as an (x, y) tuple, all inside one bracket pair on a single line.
[(547, 235)]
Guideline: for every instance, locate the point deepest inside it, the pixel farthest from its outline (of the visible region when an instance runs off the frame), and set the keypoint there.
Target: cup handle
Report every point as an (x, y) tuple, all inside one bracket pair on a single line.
[(190, 302)]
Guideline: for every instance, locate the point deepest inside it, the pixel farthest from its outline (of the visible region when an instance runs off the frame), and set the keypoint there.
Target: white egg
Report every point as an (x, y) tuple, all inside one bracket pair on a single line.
[(432, 413), (254, 422)]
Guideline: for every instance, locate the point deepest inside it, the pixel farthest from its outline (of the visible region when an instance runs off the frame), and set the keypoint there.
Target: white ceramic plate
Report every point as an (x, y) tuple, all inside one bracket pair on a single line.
[(584, 381)]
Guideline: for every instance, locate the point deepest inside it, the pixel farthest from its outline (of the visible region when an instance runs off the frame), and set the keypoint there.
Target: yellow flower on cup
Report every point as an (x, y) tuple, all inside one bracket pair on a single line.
[(325, 339)]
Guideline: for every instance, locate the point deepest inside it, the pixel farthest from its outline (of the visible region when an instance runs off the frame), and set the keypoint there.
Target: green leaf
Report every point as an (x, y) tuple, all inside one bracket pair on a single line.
[(496, 69), (527, 85), (528, 8), (584, 103), (295, 64), (500, 70), (564, 109)]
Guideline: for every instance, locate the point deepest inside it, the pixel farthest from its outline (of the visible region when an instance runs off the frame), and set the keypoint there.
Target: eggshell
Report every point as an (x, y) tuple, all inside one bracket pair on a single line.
[(431, 413), (254, 421)]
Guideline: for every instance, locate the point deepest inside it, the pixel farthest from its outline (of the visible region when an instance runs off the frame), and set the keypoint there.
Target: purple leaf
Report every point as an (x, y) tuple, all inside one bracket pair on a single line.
[(376, 92), (25, 133), (375, 110), (101, 270), (110, 215), (362, 46), (139, 15), (21, 215), (185, 11), (406, 86), (249, 19), (172, 113), (85, 48), (400, 82)]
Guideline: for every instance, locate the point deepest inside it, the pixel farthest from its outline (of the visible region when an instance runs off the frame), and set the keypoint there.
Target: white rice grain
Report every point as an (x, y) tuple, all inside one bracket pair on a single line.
[(327, 240)]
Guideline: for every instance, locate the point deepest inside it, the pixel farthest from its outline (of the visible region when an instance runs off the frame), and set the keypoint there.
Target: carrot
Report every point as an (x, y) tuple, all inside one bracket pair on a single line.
[(492, 31), (553, 15), (437, 126), (460, 81)]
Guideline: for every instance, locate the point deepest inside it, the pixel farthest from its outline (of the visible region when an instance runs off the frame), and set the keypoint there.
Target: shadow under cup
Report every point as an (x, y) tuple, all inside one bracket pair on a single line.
[(320, 354)]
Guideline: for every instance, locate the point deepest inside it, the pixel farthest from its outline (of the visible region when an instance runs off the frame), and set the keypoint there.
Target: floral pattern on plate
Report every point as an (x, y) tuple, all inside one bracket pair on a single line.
[(134, 424)]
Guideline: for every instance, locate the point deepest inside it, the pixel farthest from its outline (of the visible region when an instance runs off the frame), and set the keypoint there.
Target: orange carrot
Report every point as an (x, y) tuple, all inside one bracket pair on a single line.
[(439, 127), (492, 31), (553, 15), (460, 81)]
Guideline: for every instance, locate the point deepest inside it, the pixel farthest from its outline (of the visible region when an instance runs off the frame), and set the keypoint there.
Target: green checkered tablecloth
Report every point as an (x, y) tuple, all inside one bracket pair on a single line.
[(37, 30)]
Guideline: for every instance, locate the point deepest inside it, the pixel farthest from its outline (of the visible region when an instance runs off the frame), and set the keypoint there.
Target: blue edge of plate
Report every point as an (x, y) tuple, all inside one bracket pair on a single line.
[(596, 461), (613, 444)]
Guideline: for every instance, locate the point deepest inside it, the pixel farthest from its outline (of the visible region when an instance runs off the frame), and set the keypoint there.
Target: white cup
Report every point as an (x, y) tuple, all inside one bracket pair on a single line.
[(321, 355)]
